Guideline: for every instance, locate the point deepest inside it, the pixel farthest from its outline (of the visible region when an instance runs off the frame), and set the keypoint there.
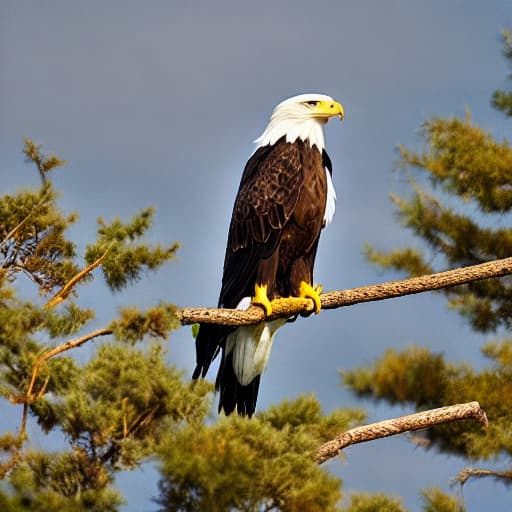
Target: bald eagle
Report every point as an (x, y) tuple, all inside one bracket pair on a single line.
[(285, 198)]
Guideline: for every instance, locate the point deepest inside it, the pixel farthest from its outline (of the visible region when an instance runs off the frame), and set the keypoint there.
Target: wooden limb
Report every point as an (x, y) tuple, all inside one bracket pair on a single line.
[(411, 422), (30, 396), (468, 473), (63, 293), (335, 299)]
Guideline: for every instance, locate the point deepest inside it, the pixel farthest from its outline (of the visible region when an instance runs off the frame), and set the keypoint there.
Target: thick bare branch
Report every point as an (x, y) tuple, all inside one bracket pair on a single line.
[(336, 299), (468, 473), (411, 422)]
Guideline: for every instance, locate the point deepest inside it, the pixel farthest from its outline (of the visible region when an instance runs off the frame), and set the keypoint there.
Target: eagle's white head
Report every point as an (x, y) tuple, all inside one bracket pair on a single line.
[(301, 117)]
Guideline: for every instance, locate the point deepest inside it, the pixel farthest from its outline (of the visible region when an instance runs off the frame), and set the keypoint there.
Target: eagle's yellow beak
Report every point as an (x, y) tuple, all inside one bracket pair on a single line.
[(326, 109)]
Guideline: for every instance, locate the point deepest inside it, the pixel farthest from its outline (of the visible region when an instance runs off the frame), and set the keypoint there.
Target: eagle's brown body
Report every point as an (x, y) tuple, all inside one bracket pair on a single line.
[(276, 222), (273, 237)]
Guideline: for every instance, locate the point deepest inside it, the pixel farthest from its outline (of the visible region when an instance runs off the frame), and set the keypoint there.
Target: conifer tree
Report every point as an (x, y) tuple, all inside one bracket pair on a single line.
[(110, 411), (463, 218)]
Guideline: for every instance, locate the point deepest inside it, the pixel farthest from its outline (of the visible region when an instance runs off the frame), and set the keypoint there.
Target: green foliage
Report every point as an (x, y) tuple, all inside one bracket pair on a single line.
[(374, 503), (305, 413), (434, 500), (53, 482), (459, 207), (32, 239), (415, 375), (466, 161), (67, 321), (133, 325), (501, 352), (502, 100), (470, 165), (407, 259), (44, 163), (426, 380), (113, 410), (257, 464), (127, 257), (121, 424)]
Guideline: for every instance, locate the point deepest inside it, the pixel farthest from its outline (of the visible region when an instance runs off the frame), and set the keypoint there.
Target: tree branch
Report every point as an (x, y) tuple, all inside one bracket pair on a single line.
[(64, 292), (283, 308), (20, 224), (468, 473), (30, 396), (411, 422)]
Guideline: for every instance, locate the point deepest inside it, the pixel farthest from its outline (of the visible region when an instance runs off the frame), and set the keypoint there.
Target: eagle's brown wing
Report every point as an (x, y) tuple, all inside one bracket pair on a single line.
[(267, 196), (268, 192)]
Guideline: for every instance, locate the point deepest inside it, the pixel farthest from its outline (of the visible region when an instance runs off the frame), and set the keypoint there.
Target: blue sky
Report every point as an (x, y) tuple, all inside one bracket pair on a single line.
[(157, 103)]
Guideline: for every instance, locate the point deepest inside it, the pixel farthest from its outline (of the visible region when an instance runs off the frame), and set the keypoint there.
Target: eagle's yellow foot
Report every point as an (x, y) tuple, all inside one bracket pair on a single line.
[(261, 299), (308, 292)]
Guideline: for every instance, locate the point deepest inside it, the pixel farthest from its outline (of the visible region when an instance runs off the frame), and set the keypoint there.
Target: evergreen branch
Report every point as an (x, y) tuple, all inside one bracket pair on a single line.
[(9, 464), (20, 224), (30, 396), (468, 473), (15, 230), (64, 292), (62, 348), (283, 308), (142, 419), (44, 163), (411, 422)]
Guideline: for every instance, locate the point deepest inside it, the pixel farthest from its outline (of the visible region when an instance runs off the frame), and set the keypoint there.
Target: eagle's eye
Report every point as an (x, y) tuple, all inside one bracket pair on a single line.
[(312, 103)]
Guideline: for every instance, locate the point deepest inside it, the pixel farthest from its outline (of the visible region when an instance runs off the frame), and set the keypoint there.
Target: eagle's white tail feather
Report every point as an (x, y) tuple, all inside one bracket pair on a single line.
[(251, 346)]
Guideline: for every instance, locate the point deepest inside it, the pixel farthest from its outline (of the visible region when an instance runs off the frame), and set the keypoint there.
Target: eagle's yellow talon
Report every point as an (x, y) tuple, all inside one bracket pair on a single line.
[(261, 299), (308, 292)]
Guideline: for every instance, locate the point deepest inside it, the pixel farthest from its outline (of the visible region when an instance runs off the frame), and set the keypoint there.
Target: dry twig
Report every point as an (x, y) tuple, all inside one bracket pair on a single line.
[(411, 422), (30, 396), (64, 292), (468, 473)]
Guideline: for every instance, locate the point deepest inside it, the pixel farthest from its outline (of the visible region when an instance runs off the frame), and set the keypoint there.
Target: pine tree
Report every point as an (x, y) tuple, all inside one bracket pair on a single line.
[(111, 411), (462, 219), (263, 463)]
